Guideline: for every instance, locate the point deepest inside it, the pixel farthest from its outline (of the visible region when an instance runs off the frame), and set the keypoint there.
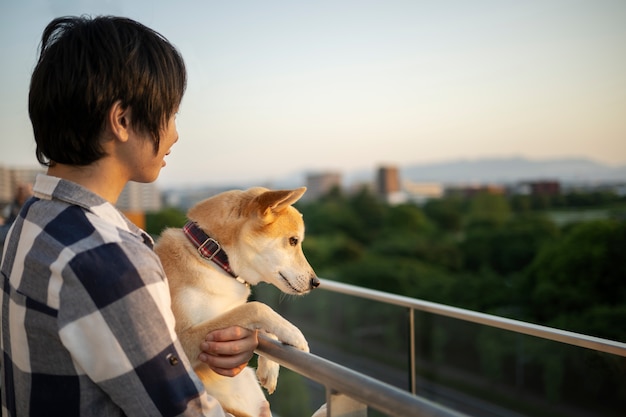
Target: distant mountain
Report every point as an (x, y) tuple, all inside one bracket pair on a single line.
[(508, 170), (503, 171), (458, 172)]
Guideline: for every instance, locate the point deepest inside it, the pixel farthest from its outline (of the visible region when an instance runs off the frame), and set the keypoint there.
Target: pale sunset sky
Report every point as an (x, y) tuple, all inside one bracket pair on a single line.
[(282, 87)]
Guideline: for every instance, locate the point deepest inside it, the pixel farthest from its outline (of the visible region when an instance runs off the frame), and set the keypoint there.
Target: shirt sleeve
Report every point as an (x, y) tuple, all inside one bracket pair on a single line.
[(115, 320)]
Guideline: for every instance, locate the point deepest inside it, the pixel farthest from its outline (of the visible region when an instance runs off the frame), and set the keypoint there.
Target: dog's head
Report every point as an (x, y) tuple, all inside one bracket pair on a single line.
[(262, 234)]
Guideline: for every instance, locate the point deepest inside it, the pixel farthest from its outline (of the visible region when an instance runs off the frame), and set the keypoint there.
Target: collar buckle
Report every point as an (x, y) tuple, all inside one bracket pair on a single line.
[(208, 248), (203, 250)]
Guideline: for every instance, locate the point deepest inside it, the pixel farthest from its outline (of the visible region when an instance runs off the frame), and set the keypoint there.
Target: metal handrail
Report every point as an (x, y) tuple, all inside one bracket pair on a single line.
[(391, 400), (374, 393), (557, 335)]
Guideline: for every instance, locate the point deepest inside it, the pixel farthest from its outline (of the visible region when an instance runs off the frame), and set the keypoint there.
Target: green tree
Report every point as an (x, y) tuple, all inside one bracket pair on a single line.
[(446, 213), (521, 203), (407, 217), (580, 276), (509, 247), (169, 217), (487, 209), (370, 213), (331, 217), (329, 250), (408, 277)]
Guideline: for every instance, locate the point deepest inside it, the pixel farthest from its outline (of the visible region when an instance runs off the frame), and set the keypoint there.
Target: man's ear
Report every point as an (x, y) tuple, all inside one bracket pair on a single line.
[(118, 120)]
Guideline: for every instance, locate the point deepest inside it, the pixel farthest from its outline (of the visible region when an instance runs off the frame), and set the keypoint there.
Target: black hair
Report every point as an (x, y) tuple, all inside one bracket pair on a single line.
[(86, 65)]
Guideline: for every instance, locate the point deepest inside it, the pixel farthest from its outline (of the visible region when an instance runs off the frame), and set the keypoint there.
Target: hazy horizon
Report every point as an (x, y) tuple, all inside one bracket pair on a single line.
[(279, 87)]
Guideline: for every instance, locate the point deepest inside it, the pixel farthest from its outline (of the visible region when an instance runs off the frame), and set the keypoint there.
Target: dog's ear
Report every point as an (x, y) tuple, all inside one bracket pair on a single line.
[(276, 201)]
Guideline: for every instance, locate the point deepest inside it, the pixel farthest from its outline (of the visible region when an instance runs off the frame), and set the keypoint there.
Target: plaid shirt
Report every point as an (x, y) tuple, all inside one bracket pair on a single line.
[(87, 328)]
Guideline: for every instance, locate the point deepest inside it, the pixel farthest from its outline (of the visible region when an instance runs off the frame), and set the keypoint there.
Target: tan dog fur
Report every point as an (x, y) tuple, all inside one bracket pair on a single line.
[(262, 235)]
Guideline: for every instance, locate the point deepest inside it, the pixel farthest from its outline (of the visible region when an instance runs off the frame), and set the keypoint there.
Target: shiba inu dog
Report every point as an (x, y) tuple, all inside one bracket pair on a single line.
[(232, 241)]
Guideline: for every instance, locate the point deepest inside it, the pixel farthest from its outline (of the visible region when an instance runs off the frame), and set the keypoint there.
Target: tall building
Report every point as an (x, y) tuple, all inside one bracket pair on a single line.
[(387, 180), (388, 185)]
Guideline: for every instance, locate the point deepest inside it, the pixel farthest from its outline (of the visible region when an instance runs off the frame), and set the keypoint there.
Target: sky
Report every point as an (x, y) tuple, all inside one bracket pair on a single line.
[(281, 88)]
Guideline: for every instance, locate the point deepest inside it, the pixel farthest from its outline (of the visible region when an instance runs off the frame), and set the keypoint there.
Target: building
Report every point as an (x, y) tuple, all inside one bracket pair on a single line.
[(388, 187), (469, 191), (135, 200), (420, 192), (539, 188), (10, 178), (387, 180), (319, 184), (140, 197)]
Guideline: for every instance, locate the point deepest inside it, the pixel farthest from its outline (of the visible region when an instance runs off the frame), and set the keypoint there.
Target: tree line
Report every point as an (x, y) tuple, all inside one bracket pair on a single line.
[(505, 255)]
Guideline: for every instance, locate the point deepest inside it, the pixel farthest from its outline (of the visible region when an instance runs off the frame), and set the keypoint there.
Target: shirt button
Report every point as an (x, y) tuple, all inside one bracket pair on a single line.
[(173, 360)]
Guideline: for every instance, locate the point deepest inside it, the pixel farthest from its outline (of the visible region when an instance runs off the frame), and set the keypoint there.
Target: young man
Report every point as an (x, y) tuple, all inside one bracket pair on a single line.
[(87, 328)]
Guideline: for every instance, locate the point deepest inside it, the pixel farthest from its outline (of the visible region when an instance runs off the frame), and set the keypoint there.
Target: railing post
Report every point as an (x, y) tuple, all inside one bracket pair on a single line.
[(412, 352)]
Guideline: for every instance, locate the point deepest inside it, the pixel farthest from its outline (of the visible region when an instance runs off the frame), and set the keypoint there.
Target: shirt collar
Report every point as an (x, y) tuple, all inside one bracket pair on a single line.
[(47, 187)]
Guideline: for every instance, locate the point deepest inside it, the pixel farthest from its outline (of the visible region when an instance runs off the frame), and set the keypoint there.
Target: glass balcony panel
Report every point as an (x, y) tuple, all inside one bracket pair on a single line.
[(473, 368)]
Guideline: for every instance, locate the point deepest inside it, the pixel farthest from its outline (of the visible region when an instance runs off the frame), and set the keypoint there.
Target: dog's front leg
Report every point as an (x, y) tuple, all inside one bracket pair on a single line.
[(277, 328), (253, 316), (258, 316), (267, 371)]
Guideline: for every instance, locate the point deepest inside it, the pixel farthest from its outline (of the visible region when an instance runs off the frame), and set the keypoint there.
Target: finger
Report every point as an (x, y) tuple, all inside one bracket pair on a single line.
[(230, 372), (231, 347), (230, 333), (226, 361)]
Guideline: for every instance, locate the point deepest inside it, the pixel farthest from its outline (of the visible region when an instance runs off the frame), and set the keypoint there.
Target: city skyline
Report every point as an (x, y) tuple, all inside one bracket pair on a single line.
[(278, 88)]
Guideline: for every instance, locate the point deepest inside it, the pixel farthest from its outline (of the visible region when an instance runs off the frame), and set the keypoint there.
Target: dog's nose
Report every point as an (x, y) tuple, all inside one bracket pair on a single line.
[(315, 282)]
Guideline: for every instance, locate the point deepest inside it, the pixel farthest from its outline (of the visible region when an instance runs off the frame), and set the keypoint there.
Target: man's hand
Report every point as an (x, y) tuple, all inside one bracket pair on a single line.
[(227, 351)]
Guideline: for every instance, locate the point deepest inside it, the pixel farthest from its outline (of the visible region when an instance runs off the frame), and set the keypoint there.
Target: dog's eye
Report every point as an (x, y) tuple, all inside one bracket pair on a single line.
[(293, 241)]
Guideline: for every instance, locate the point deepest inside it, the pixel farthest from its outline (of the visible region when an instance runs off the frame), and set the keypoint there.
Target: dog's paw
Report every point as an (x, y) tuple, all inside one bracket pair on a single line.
[(295, 338), (267, 373)]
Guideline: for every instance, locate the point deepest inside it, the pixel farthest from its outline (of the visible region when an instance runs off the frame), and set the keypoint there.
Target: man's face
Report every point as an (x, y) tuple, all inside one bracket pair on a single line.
[(145, 164)]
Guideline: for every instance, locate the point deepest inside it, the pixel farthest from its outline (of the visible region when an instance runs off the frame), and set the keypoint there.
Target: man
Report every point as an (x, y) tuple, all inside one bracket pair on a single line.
[(87, 328)]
